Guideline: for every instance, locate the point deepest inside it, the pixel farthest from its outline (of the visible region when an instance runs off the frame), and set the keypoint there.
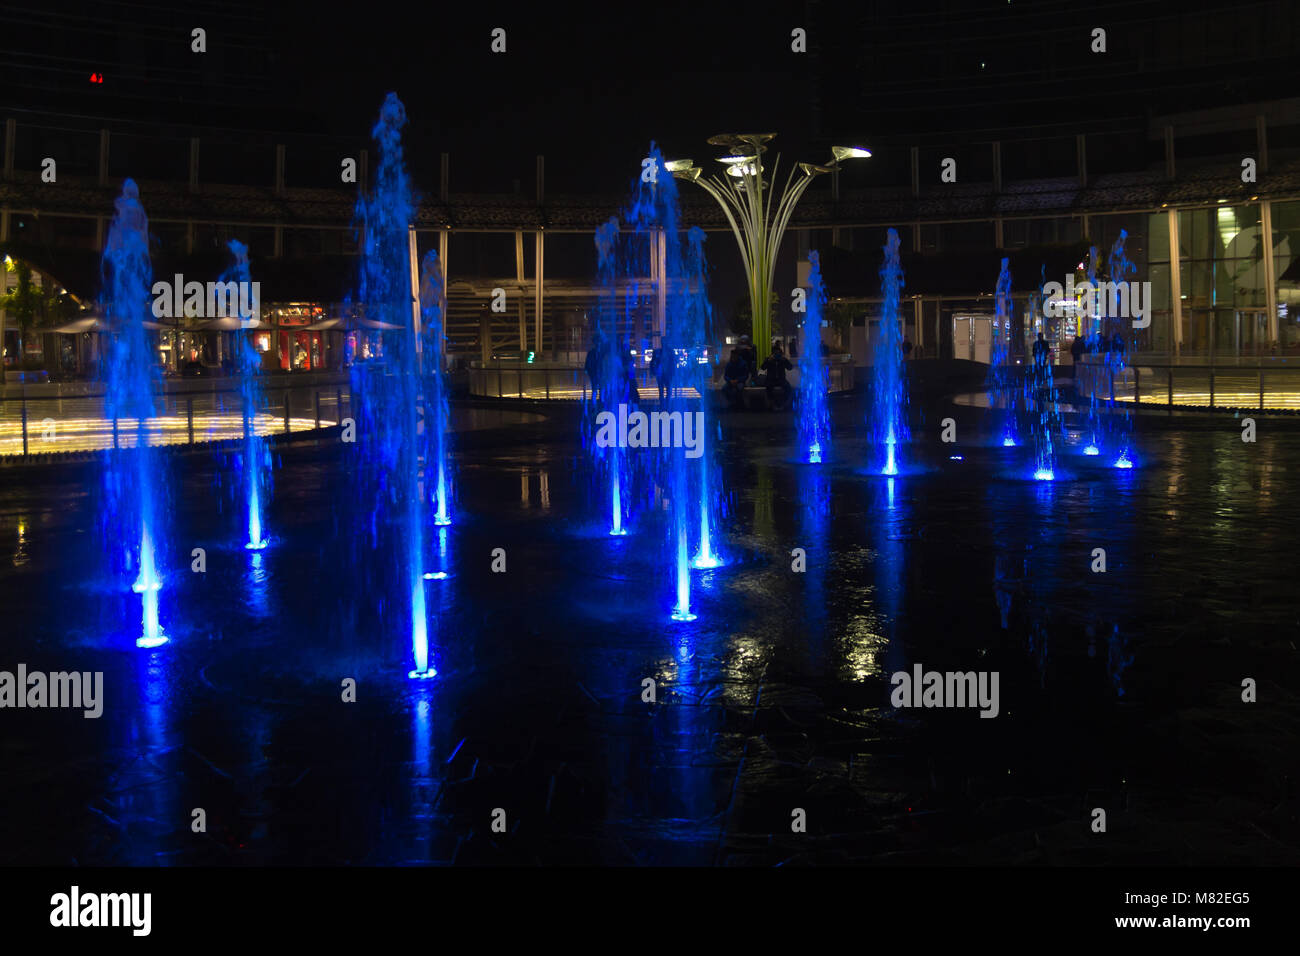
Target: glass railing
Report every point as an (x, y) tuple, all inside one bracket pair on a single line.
[(553, 381), (1259, 384), (70, 418)]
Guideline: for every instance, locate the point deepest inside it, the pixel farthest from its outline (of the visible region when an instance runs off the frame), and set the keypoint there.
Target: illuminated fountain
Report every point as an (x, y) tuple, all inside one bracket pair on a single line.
[(1092, 339), (256, 462), (132, 476), (613, 471), (654, 216), (1001, 372), (813, 416), (889, 393), (390, 440), (1120, 420), (437, 413), (698, 327), (1043, 403)]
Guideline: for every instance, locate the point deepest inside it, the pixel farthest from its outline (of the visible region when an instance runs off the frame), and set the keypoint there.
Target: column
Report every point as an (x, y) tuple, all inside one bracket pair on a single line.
[(1270, 268), (519, 277), (1175, 288), (537, 289)]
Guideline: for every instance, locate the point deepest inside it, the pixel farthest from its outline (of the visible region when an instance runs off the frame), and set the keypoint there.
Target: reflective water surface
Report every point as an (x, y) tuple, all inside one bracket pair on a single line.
[(1119, 690)]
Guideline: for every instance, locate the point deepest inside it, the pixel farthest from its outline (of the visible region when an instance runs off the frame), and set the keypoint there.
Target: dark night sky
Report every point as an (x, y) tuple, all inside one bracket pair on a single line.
[(586, 90), (589, 84)]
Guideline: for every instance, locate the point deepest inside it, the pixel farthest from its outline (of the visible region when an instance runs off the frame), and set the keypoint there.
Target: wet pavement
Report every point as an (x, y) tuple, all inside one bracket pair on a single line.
[(1118, 690)]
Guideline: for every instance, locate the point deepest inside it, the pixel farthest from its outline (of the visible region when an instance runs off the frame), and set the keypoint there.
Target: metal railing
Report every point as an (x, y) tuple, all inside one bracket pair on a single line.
[(70, 419), (1269, 385), (548, 381)]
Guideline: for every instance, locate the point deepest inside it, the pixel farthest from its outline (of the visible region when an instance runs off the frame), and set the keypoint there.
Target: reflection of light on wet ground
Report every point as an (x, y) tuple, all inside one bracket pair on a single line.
[(753, 713), (20, 549)]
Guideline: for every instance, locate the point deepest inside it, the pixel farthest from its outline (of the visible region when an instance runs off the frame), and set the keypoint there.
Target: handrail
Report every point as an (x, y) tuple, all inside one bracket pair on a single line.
[(188, 417)]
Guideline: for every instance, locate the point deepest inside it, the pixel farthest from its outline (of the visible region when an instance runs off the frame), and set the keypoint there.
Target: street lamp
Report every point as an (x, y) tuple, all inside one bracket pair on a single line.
[(740, 194)]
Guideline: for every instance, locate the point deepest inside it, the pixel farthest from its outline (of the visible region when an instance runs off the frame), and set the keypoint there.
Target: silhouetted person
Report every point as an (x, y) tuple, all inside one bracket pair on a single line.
[(1117, 347), (1041, 351), (750, 354), (734, 377), (663, 363), (1076, 349), (631, 395), (776, 366), (907, 348)]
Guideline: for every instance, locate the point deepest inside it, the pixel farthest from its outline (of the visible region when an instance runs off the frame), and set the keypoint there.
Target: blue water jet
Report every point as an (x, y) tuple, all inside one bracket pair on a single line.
[(608, 383), (132, 475), (1042, 400), (655, 216), (1093, 347), (256, 462), (437, 413), (813, 415), (1120, 420), (697, 329), (391, 443), (889, 392), (1002, 374)]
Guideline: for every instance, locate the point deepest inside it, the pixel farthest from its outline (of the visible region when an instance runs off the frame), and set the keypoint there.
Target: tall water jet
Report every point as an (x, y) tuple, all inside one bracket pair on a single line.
[(256, 462), (604, 369), (1093, 340), (1120, 267), (889, 395), (437, 412), (390, 441), (697, 329), (654, 214), (1042, 399), (1001, 370), (132, 476), (813, 421)]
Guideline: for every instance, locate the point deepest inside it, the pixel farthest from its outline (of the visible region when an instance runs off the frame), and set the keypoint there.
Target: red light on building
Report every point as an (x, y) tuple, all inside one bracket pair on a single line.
[(97, 77)]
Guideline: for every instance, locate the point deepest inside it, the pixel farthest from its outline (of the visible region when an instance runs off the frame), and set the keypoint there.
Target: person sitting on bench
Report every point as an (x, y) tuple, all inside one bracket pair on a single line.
[(734, 377), (776, 366)]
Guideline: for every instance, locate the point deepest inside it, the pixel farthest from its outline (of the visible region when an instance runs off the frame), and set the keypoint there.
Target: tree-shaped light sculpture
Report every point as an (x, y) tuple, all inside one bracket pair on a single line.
[(746, 200)]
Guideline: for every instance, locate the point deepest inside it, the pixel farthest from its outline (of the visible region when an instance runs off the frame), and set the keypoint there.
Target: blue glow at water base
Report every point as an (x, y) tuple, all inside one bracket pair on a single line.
[(1008, 443), (891, 460), (1092, 450), (1044, 474)]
